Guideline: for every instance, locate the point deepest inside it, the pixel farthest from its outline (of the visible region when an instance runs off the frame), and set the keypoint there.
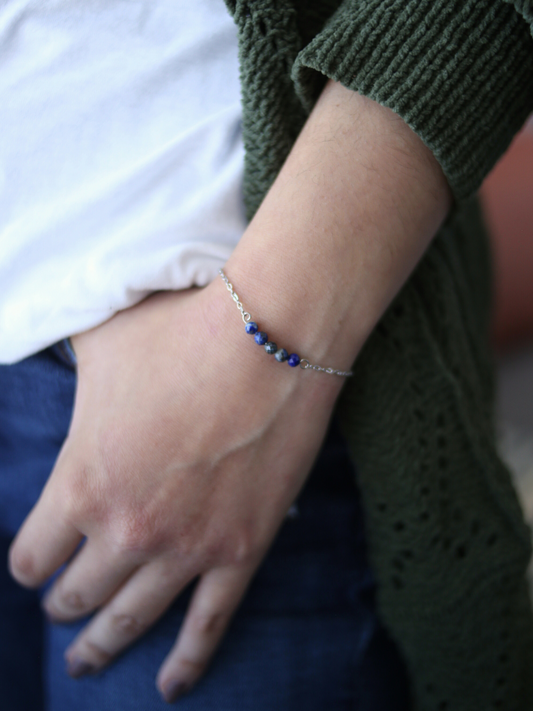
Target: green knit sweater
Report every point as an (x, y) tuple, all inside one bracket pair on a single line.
[(447, 539)]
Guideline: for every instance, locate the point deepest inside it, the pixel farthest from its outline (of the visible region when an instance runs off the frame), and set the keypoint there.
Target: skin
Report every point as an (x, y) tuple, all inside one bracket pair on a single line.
[(188, 444)]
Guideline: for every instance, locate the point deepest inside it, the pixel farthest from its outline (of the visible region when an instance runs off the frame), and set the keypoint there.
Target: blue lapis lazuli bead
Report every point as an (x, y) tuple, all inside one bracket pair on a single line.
[(251, 327), (293, 360), (261, 338)]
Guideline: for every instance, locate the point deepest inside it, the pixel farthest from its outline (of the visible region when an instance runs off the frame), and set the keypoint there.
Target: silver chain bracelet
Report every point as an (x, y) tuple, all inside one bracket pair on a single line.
[(261, 338)]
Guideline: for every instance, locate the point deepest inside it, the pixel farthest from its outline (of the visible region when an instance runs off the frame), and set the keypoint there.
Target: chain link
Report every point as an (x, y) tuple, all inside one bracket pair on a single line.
[(330, 371), (247, 317), (235, 298)]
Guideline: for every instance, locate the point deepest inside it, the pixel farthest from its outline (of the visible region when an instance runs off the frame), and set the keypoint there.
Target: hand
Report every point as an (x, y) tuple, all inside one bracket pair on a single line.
[(187, 446)]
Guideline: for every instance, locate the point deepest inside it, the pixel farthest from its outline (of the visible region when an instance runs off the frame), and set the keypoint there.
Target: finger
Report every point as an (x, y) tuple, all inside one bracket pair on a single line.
[(215, 599), (89, 580), (130, 612), (45, 541)]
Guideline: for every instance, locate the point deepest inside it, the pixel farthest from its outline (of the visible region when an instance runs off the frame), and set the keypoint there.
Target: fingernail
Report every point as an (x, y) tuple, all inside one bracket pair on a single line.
[(174, 690), (78, 667)]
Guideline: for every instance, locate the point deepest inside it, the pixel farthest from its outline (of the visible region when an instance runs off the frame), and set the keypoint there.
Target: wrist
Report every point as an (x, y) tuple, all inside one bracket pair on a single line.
[(347, 219), (301, 311), (226, 325), (345, 222)]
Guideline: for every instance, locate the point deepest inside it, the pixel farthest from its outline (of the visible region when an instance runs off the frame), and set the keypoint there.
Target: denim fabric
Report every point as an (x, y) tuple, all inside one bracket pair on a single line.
[(305, 637)]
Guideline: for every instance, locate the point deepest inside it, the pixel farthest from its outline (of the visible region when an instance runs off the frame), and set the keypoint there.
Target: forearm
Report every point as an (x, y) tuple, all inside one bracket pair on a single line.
[(352, 211)]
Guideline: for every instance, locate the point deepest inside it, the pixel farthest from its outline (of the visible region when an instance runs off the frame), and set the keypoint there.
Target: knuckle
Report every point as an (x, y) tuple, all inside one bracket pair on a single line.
[(129, 625), (237, 548), (210, 624), (136, 532), (193, 668), (67, 602), (243, 550)]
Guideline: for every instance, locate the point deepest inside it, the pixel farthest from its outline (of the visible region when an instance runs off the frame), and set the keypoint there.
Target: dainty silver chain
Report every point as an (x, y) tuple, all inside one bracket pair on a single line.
[(235, 298), (304, 363)]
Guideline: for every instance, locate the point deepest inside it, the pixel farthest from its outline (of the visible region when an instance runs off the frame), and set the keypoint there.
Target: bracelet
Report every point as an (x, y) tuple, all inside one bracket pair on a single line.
[(261, 338)]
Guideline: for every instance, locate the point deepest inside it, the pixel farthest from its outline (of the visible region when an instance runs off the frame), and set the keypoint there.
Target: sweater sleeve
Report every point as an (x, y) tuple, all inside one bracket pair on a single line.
[(459, 73)]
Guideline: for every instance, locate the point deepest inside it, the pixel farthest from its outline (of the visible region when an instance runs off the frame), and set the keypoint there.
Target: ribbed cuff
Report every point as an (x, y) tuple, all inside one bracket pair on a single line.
[(459, 72)]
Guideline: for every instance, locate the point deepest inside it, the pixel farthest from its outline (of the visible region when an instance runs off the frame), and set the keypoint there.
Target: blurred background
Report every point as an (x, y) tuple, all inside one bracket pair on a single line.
[(507, 201)]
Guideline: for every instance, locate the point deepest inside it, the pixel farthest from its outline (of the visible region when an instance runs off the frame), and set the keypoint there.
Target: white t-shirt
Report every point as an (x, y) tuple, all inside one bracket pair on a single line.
[(121, 158)]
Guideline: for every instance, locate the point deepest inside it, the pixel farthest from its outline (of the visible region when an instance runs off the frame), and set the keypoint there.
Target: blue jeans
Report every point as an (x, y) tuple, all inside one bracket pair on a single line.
[(306, 636)]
